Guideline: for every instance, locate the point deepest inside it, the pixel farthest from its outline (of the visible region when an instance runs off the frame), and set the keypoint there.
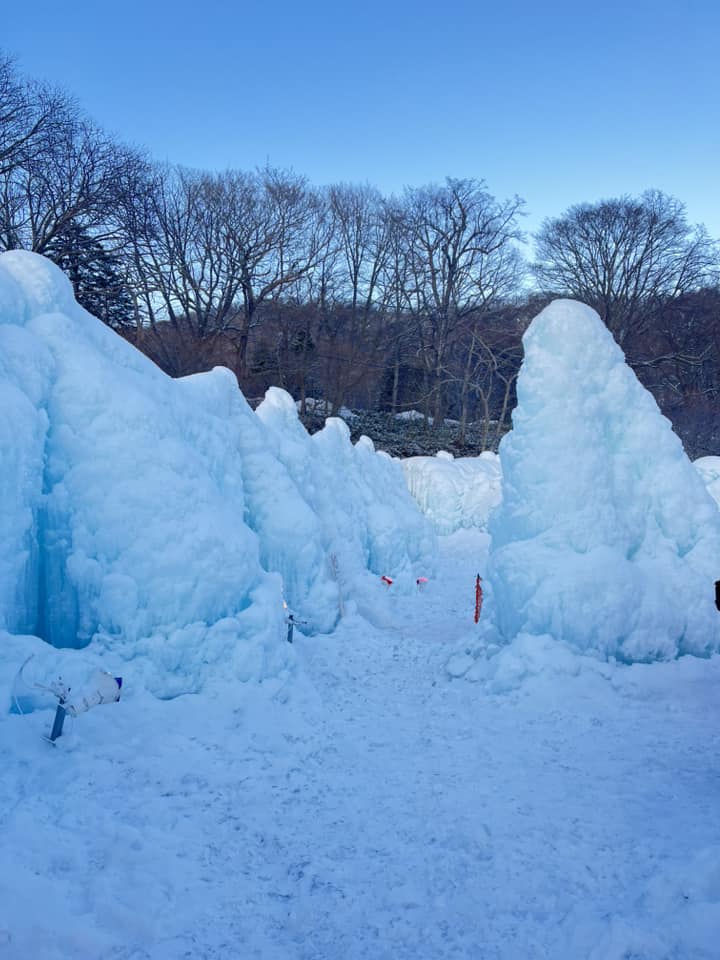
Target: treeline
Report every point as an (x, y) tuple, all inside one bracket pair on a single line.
[(386, 303)]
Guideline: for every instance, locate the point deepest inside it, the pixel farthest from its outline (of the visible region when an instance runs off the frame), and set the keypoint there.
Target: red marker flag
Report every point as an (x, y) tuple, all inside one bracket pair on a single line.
[(478, 598)]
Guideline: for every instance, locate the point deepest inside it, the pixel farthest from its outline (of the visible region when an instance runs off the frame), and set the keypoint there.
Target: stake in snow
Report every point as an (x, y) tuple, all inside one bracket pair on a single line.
[(104, 689)]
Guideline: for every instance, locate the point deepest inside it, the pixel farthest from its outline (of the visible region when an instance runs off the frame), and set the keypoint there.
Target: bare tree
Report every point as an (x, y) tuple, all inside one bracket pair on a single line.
[(60, 175), (62, 185), (483, 351), (26, 111), (360, 230), (679, 361), (186, 262), (273, 218), (625, 257), (458, 234), (211, 249), (306, 311)]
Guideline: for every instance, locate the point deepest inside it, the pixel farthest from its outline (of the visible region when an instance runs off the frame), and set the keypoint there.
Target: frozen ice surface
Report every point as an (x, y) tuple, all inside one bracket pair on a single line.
[(25, 369), (287, 529), (606, 537), (455, 492)]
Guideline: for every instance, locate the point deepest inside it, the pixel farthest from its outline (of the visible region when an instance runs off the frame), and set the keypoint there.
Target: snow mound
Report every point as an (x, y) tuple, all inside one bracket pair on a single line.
[(606, 537), (455, 493)]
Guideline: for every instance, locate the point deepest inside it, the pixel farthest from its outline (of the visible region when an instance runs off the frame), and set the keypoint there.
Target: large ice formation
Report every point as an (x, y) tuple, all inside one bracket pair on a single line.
[(161, 518), (606, 537)]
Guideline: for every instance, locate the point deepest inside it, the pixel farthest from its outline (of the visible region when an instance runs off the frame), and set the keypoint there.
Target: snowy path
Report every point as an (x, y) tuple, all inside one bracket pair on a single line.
[(375, 809)]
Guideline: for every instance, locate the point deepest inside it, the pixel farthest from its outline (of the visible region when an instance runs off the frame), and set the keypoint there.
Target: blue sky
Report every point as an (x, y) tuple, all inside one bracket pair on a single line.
[(558, 103)]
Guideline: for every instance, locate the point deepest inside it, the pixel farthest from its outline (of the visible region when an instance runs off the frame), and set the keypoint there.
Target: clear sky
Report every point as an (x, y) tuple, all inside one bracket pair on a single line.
[(558, 102)]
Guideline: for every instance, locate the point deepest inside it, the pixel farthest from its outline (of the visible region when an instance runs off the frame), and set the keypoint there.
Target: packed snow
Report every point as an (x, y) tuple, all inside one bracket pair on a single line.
[(350, 794)]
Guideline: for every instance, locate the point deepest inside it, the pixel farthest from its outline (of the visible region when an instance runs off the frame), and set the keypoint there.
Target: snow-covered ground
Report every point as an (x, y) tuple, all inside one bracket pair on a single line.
[(375, 807)]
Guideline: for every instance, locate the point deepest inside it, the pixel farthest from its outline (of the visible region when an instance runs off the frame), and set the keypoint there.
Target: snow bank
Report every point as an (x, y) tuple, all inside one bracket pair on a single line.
[(151, 517), (606, 537), (455, 493)]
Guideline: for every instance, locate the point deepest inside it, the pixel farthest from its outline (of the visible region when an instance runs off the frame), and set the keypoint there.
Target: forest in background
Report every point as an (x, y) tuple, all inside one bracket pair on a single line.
[(383, 304)]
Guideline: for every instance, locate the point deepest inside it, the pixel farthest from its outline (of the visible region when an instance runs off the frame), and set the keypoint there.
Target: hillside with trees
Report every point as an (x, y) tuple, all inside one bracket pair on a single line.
[(415, 302)]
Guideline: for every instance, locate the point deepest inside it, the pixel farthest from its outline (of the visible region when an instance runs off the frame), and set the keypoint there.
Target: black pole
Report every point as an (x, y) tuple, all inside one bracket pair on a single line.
[(58, 722), (717, 594)]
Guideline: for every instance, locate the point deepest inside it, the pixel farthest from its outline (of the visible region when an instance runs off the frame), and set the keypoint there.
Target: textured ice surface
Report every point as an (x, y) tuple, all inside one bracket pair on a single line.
[(156, 517), (368, 521), (126, 520), (606, 537), (26, 366)]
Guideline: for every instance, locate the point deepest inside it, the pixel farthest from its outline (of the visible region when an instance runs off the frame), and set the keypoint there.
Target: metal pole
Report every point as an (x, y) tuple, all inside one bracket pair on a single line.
[(58, 722)]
